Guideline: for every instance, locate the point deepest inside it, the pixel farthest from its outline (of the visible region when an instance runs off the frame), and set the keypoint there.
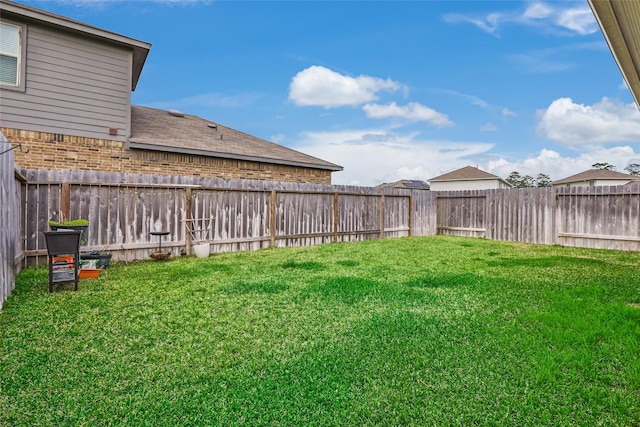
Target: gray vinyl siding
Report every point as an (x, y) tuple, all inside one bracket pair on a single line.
[(74, 86)]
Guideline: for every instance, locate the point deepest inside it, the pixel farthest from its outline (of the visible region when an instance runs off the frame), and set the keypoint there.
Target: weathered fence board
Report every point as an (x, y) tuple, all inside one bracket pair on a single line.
[(11, 224)]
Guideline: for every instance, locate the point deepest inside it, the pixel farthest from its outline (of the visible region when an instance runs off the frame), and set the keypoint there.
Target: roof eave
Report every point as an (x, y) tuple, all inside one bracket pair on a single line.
[(168, 149), (619, 43)]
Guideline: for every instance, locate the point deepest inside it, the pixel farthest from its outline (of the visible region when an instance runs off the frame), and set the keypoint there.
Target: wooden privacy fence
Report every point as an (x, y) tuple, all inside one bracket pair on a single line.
[(122, 216), (592, 217)]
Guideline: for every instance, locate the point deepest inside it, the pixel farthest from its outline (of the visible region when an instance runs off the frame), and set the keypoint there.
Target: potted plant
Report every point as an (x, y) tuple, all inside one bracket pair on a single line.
[(76, 224)]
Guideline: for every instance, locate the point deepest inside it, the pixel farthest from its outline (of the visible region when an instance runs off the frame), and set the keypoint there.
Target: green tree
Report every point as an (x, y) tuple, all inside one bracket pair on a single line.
[(604, 165), (514, 178), (520, 181), (633, 169), (543, 180)]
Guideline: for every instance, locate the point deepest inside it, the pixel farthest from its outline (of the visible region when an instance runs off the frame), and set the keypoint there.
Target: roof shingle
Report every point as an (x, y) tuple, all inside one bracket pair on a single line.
[(154, 129)]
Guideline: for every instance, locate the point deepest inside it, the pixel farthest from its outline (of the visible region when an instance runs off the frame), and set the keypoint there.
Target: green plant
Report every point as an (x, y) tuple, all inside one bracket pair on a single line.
[(72, 223)]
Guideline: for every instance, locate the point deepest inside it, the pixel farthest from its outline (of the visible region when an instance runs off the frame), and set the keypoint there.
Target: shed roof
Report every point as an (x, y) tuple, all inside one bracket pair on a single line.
[(12, 10), (596, 174), (467, 173), (171, 131)]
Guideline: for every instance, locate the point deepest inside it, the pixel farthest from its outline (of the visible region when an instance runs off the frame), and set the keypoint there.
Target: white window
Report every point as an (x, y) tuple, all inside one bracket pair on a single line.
[(10, 54)]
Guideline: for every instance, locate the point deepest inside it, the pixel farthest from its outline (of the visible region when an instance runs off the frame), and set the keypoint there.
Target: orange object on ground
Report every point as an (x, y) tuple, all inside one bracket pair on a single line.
[(89, 273)]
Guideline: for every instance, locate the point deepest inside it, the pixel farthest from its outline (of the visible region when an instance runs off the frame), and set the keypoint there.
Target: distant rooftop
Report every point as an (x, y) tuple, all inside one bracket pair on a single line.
[(596, 174), (467, 173), (409, 184)]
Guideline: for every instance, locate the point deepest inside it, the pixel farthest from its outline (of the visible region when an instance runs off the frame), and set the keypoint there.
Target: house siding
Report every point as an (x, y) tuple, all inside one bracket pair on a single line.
[(73, 86), (596, 183), (483, 184), (58, 152)]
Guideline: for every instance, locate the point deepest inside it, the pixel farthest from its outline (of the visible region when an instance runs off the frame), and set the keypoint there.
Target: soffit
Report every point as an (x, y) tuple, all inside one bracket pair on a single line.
[(619, 21)]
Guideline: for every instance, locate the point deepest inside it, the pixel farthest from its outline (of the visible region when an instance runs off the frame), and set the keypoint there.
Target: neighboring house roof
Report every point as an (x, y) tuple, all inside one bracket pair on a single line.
[(596, 174), (620, 25), (467, 173), (140, 49), (172, 131), (409, 184)]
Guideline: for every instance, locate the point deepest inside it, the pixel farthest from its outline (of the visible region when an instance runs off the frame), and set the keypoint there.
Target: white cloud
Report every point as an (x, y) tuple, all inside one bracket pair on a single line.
[(413, 112), (558, 167), (506, 112), (537, 10), (488, 127), (471, 98), (489, 23), (371, 157), (319, 86), (539, 63), (608, 121), (554, 59), (277, 138), (374, 156), (577, 19)]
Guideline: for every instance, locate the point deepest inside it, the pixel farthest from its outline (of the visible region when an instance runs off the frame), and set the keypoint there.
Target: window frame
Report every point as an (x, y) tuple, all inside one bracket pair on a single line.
[(22, 52)]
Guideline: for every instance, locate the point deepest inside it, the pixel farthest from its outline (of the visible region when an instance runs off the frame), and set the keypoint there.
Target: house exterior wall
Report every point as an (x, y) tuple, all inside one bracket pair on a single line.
[(73, 86), (58, 151), (595, 183), (480, 184)]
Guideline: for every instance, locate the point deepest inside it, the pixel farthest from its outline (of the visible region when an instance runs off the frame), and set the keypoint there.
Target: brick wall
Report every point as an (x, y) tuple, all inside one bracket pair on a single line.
[(55, 151)]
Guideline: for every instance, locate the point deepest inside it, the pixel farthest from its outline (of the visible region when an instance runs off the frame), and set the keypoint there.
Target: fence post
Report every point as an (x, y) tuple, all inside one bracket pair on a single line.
[(382, 216), (272, 219), (410, 219), (187, 222), (335, 217), (65, 202)]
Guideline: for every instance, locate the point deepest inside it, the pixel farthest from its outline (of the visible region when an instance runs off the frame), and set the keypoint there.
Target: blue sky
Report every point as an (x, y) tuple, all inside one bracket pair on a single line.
[(389, 89)]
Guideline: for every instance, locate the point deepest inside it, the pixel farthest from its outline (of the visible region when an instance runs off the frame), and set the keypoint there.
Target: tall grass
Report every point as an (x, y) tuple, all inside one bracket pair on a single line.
[(415, 331)]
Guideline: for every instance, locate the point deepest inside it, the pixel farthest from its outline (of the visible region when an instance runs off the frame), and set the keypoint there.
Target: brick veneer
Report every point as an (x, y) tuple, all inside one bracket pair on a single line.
[(55, 151)]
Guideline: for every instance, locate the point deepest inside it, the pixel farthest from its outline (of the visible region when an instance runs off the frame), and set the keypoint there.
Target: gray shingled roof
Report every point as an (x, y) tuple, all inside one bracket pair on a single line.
[(158, 130), (593, 174), (467, 173), (411, 184)]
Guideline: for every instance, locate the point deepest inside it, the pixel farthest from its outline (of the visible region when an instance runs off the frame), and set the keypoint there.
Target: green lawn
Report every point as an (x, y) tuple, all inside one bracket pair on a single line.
[(400, 332)]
